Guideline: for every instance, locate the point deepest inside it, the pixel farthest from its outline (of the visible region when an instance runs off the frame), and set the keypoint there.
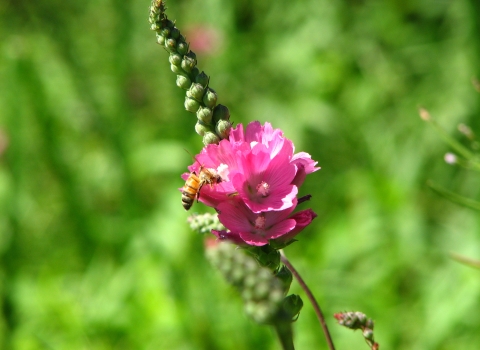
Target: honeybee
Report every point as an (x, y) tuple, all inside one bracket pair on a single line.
[(194, 183)]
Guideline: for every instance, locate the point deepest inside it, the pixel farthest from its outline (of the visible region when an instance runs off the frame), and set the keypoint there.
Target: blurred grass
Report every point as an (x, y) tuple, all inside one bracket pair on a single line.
[(95, 249)]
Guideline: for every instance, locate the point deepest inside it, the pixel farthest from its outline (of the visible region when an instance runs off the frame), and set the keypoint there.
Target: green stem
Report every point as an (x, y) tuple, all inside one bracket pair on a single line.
[(285, 335), (310, 296)]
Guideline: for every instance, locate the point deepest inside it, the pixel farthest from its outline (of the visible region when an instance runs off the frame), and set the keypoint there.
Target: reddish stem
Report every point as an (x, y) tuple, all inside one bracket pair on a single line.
[(310, 296)]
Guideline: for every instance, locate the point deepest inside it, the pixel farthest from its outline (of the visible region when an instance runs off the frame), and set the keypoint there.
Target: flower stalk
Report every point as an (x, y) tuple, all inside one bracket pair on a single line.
[(313, 301), (213, 120)]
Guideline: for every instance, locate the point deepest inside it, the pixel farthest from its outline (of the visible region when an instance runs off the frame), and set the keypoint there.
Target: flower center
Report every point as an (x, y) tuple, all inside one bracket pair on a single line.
[(260, 222), (263, 189)]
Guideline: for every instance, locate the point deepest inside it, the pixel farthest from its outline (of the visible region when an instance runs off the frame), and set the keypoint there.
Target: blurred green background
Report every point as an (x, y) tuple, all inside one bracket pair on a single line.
[(94, 245)]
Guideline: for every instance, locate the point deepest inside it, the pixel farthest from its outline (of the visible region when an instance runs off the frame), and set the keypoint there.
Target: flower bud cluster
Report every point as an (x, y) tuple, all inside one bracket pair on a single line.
[(205, 223), (358, 320), (262, 292), (213, 121)]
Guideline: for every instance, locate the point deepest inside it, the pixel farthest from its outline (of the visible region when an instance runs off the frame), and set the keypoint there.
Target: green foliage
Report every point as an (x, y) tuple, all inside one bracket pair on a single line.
[(95, 248)]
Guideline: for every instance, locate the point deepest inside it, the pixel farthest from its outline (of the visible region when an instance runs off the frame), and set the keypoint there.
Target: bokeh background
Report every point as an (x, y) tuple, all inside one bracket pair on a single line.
[(95, 248)]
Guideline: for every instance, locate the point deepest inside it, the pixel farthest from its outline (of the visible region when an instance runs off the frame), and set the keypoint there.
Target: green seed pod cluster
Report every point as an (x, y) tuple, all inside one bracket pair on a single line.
[(200, 98), (263, 293), (205, 223)]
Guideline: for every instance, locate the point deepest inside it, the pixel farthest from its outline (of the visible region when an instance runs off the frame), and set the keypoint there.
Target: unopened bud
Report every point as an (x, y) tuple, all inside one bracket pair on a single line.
[(182, 47), (171, 45), (196, 91), (202, 79), (165, 32), (188, 63), (285, 276), (160, 39), (183, 82), (204, 114), (175, 59), (169, 23), (222, 128), (191, 105), (292, 305), (175, 33), (220, 112), (210, 98), (210, 138), (368, 334), (201, 128), (177, 70)]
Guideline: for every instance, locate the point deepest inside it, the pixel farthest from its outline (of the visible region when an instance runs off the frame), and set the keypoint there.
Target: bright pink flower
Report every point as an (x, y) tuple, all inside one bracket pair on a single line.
[(260, 178), (258, 165), (259, 228), (254, 228)]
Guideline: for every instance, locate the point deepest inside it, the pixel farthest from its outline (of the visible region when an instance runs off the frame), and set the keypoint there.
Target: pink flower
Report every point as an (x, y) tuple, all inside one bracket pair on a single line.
[(259, 228), (258, 165), (260, 176)]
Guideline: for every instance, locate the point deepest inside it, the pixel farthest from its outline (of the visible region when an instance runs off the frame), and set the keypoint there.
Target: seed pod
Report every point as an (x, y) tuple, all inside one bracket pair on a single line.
[(196, 91), (204, 114), (220, 112), (202, 79), (183, 82), (222, 128), (209, 138), (210, 98), (191, 105)]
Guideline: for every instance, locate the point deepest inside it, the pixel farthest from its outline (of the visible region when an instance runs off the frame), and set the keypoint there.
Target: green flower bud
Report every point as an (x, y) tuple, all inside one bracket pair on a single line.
[(368, 334), (222, 128), (177, 70), (183, 82), (205, 223), (175, 33), (191, 105), (221, 112), (194, 73), (175, 59), (210, 98), (171, 45), (204, 114), (192, 55), (160, 39), (169, 23), (182, 47), (292, 306), (201, 128), (188, 63), (209, 138), (165, 32), (202, 79), (196, 91), (285, 276)]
